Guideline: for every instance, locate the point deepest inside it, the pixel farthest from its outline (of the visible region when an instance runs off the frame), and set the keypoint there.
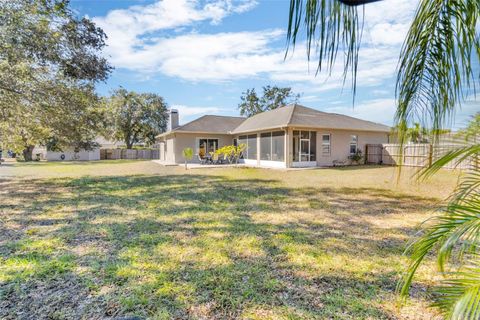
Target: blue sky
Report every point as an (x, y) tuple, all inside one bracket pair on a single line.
[(201, 55)]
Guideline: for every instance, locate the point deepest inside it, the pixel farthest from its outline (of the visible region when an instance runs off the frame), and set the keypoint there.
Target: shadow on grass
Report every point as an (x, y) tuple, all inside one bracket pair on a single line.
[(193, 246)]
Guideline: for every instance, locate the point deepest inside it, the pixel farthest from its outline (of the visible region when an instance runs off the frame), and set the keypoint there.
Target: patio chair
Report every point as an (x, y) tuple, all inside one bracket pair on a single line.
[(202, 160), (226, 158), (215, 158)]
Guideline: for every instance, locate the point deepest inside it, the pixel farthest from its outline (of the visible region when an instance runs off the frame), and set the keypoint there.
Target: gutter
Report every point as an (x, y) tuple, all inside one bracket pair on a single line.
[(308, 127)]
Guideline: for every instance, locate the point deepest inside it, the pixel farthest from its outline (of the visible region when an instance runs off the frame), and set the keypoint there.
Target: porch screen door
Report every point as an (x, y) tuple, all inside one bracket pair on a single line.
[(304, 149)]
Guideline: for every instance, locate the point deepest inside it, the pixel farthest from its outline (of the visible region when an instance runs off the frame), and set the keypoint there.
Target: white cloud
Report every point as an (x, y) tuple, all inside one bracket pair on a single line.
[(156, 38), (130, 30), (217, 57), (377, 110), (186, 112)]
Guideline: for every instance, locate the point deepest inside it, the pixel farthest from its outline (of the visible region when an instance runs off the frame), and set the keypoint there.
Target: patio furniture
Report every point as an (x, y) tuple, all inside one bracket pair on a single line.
[(215, 159), (208, 159), (226, 158), (202, 160)]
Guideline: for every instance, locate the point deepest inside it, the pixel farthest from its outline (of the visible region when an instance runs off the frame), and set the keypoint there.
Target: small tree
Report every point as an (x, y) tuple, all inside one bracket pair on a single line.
[(237, 151), (187, 155)]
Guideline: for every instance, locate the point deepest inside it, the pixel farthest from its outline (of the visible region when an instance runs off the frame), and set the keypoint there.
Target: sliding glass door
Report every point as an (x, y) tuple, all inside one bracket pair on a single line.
[(207, 146)]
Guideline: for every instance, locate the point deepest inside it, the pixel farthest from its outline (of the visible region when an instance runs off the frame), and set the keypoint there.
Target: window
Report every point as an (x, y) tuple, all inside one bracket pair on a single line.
[(272, 146), (278, 146), (250, 151), (304, 146), (252, 147), (205, 146), (313, 146), (325, 144), (265, 146), (353, 144)]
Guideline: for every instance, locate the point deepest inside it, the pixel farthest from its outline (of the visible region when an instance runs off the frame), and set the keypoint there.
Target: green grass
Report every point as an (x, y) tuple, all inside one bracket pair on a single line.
[(116, 238)]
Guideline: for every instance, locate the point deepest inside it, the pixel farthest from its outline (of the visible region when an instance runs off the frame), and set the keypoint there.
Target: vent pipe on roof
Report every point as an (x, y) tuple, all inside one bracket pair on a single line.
[(172, 119)]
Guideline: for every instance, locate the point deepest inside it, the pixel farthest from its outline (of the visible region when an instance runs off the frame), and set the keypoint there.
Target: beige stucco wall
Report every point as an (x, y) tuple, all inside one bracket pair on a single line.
[(179, 141), (340, 144), (339, 147)]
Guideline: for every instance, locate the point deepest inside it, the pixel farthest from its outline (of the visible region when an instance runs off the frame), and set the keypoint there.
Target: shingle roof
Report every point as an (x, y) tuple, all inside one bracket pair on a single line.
[(293, 115), (300, 116), (210, 124)]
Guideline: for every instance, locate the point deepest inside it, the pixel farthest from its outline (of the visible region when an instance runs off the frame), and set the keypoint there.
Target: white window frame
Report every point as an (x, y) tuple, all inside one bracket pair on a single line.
[(197, 143), (329, 144), (353, 142)]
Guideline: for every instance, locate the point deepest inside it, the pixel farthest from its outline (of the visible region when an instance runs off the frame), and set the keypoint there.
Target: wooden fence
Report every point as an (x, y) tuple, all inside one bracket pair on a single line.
[(412, 155), (131, 154)]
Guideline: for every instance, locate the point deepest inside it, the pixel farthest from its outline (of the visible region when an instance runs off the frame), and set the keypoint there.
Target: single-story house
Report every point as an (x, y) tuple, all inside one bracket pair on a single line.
[(290, 136)]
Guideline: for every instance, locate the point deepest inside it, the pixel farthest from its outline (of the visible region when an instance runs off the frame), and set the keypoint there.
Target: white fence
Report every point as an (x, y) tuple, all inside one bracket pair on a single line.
[(68, 155)]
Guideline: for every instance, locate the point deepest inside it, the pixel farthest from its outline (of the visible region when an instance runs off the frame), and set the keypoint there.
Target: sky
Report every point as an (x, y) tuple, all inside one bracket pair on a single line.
[(201, 55)]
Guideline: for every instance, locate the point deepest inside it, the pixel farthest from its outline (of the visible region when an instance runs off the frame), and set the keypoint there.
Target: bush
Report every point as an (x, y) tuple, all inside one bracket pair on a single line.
[(357, 157)]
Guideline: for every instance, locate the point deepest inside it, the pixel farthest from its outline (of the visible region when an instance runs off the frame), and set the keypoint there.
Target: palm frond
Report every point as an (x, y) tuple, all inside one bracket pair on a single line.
[(456, 228), (458, 296), (469, 186), (329, 26), (455, 156), (436, 65)]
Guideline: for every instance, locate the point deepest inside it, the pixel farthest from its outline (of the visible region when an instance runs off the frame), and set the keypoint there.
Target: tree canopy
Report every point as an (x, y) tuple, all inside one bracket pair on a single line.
[(42, 40), (68, 118), (50, 61), (273, 97), (136, 117)]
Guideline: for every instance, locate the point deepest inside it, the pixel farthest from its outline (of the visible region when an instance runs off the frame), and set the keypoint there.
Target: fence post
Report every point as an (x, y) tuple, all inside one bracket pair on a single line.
[(430, 155)]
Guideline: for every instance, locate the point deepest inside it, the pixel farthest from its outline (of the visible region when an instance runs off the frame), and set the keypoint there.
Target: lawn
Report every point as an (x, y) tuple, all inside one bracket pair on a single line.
[(101, 240)]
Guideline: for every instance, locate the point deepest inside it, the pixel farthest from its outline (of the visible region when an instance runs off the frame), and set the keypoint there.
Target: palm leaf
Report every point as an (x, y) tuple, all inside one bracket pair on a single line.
[(455, 156), (458, 227), (435, 69), (458, 296), (329, 26)]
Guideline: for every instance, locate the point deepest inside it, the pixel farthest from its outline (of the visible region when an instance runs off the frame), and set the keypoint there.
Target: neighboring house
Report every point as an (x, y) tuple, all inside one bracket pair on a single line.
[(291, 136)]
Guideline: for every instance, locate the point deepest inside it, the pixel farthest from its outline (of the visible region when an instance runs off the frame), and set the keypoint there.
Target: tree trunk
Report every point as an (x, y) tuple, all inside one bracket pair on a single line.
[(28, 153), (129, 145), (186, 165)]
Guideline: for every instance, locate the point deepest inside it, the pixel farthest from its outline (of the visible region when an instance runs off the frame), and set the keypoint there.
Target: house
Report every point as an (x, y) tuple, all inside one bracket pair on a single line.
[(291, 136)]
